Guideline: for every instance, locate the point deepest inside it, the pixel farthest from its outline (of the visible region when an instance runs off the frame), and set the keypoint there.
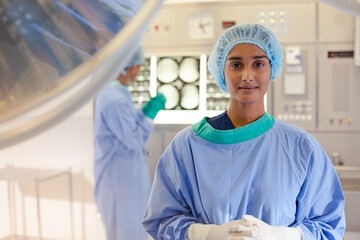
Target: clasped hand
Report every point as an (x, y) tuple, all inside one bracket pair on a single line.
[(248, 228), (255, 229)]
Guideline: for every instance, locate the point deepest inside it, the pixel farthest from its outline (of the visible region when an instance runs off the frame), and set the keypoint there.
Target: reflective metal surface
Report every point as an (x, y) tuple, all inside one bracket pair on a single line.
[(349, 6), (55, 55)]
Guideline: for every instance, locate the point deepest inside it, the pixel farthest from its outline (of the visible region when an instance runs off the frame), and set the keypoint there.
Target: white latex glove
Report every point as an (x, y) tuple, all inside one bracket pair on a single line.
[(198, 231), (259, 230)]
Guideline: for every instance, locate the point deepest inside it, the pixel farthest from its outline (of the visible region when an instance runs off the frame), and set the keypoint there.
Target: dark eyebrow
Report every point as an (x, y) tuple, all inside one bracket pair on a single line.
[(255, 57)]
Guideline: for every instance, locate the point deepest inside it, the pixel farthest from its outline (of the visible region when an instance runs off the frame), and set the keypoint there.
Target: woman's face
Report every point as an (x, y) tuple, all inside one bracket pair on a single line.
[(247, 74)]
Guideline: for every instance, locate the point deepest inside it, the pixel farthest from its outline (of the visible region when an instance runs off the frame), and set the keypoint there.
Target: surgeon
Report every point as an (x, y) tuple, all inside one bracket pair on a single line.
[(244, 175), (122, 182)]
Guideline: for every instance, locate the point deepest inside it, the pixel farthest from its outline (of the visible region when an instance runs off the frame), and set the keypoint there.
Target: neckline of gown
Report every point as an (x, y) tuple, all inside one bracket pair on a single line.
[(204, 130)]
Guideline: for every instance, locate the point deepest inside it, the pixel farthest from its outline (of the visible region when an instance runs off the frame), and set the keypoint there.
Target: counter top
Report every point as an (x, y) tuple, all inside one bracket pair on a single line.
[(349, 177), (348, 172), (347, 168), (350, 184)]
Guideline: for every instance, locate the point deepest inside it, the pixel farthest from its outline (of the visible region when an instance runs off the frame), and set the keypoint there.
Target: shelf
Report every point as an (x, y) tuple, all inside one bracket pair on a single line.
[(350, 184), (348, 172), (26, 175), (18, 237)]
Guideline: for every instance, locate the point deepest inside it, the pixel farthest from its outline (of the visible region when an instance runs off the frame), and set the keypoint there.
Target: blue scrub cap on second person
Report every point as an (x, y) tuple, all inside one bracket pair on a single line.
[(250, 33), (137, 59)]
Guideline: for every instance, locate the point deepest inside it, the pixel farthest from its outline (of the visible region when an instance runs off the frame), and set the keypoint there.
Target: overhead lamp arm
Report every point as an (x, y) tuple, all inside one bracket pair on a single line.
[(349, 6)]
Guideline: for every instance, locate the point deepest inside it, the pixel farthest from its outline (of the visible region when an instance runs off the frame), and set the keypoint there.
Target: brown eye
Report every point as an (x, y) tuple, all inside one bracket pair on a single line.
[(235, 65), (259, 64)]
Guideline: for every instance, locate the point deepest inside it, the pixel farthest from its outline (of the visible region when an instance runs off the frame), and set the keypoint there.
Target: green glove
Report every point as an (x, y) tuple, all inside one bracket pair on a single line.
[(155, 104)]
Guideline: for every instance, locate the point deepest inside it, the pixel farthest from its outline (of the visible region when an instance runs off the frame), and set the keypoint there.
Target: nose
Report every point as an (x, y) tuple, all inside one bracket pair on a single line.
[(246, 75)]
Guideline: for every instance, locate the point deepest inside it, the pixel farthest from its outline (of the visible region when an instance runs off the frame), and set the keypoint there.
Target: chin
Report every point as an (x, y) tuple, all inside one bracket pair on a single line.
[(243, 100)]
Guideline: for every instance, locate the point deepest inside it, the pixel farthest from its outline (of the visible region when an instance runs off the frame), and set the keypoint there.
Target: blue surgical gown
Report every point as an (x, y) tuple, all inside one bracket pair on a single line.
[(269, 169), (122, 182)]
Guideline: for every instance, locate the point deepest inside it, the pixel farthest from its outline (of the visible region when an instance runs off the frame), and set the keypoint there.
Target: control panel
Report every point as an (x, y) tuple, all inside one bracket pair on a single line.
[(294, 93), (338, 88)]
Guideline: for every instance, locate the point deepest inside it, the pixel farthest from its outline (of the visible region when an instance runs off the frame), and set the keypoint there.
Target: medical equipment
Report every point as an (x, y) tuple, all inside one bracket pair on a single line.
[(55, 56)]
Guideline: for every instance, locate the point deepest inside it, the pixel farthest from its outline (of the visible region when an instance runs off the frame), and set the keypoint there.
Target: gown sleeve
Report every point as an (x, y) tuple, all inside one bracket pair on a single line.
[(129, 125), (320, 203), (168, 214)]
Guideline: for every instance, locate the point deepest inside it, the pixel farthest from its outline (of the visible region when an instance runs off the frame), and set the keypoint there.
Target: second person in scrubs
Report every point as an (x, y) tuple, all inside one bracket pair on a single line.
[(244, 174), (122, 182)]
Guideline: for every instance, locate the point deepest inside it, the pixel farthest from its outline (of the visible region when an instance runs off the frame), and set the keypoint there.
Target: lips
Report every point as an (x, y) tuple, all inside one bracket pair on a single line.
[(247, 87)]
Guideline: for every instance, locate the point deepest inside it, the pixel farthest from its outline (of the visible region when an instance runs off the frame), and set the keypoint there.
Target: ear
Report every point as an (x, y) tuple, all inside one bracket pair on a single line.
[(133, 70)]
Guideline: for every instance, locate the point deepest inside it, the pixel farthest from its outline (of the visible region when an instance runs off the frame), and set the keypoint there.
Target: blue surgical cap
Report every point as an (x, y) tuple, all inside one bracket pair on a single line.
[(137, 59), (250, 33)]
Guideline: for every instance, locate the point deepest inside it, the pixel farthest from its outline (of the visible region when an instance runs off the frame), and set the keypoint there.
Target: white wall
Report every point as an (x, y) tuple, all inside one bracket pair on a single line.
[(68, 144)]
